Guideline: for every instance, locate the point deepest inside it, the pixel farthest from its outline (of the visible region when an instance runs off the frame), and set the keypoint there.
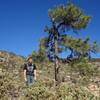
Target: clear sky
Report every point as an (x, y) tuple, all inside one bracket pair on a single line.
[(22, 23)]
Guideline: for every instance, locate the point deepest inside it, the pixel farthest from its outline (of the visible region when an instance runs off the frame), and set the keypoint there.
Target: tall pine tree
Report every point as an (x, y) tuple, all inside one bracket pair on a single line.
[(63, 18)]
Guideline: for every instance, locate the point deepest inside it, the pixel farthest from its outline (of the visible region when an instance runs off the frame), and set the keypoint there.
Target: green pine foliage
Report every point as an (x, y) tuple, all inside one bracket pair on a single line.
[(69, 16)]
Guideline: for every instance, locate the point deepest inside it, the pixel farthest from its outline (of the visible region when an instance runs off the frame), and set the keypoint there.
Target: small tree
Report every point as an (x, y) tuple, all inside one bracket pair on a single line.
[(40, 55), (63, 18)]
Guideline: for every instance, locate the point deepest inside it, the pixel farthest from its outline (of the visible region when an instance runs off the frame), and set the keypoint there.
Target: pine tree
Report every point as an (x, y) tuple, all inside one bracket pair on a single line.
[(63, 18)]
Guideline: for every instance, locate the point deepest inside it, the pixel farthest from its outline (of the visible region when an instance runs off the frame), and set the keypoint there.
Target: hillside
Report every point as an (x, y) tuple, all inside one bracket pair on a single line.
[(72, 87)]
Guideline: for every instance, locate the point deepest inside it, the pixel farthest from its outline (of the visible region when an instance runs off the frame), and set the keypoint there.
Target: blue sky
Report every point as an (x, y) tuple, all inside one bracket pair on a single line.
[(22, 23)]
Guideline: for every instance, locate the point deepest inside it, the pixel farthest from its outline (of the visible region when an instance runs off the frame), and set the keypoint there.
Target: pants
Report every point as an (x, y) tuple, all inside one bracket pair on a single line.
[(30, 80)]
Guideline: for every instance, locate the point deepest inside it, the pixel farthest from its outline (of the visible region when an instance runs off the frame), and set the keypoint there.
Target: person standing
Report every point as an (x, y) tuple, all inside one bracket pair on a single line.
[(29, 72)]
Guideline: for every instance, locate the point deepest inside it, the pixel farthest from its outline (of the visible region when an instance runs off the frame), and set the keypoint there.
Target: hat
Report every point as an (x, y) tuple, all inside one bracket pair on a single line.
[(30, 57)]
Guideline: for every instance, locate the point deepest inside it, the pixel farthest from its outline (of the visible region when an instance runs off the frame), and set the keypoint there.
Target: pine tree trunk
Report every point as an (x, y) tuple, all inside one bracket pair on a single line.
[(56, 60)]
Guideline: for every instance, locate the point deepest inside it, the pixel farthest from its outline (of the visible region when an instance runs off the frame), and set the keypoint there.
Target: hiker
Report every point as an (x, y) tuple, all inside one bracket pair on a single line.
[(29, 72)]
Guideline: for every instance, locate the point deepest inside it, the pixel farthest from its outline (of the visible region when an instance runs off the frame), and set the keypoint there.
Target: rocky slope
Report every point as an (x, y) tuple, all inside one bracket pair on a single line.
[(12, 85)]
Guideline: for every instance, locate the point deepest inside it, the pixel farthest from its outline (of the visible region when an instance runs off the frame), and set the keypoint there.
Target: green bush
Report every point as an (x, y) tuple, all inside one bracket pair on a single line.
[(39, 92), (68, 92), (81, 71)]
